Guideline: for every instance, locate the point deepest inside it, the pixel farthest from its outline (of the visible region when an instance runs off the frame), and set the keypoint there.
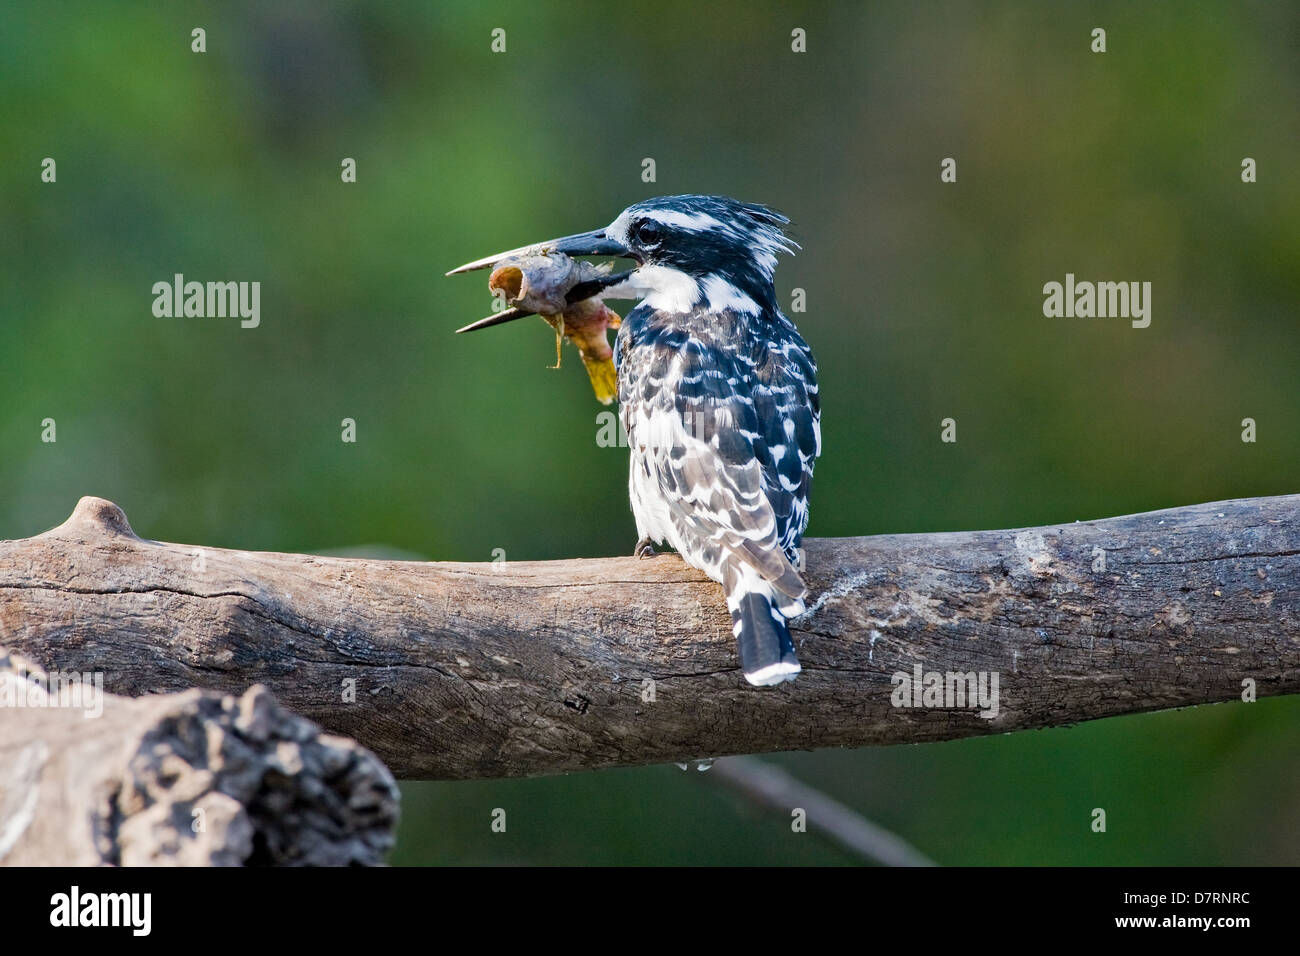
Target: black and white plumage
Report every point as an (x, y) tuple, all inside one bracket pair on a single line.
[(718, 395)]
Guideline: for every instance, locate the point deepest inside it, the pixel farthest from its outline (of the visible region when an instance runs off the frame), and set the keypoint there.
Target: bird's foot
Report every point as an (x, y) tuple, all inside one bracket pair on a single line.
[(644, 549)]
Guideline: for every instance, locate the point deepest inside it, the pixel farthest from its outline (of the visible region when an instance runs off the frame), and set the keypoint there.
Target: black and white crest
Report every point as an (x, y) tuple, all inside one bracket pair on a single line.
[(729, 248), (718, 395)]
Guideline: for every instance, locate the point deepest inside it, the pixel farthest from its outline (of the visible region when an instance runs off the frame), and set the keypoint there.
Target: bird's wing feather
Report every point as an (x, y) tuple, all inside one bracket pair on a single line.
[(706, 419), (787, 406)]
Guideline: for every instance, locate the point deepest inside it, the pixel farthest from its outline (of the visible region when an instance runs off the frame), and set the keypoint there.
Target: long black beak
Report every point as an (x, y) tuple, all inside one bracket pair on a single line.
[(594, 243)]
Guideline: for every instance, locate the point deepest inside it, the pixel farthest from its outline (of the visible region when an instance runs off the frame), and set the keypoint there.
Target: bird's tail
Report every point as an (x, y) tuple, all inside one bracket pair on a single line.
[(766, 650)]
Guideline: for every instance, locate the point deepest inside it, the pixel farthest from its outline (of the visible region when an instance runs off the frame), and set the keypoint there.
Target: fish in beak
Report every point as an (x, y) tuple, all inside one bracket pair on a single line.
[(594, 243), (586, 286), (543, 279)]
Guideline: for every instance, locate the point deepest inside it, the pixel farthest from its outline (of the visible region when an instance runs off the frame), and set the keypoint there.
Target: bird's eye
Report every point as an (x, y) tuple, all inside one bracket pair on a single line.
[(647, 233)]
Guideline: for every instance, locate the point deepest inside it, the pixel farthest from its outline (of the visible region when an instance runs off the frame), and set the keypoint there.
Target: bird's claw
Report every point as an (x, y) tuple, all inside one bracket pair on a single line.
[(644, 549)]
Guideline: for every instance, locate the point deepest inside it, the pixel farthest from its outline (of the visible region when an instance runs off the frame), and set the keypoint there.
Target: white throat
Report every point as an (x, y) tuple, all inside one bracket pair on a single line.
[(666, 289)]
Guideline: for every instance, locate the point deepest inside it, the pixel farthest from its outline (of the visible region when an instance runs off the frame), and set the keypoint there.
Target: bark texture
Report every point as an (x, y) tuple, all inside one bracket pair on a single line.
[(188, 779), (486, 670)]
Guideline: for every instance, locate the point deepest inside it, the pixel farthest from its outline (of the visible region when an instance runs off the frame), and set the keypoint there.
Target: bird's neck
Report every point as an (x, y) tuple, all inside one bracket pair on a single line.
[(672, 330), (669, 290)]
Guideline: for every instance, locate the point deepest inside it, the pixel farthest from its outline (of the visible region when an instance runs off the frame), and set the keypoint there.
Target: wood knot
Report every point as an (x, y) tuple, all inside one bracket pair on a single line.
[(579, 702), (99, 516)]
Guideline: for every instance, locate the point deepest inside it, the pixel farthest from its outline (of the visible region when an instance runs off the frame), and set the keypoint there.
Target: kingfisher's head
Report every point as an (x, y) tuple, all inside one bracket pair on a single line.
[(691, 252)]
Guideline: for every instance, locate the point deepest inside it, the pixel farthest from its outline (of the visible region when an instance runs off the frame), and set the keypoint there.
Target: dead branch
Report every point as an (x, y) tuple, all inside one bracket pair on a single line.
[(769, 786), (484, 670), (187, 779)]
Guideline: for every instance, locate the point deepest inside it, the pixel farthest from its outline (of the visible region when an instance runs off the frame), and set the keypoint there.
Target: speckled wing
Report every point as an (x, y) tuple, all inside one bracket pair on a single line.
[(788, 410), (727, 438)]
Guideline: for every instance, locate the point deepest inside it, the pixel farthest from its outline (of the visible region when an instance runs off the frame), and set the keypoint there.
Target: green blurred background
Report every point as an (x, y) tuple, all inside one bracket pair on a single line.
[(924, 302)]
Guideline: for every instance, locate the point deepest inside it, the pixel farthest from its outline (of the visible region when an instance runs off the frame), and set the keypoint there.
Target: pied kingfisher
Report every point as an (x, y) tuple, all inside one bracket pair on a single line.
[(718, 395)]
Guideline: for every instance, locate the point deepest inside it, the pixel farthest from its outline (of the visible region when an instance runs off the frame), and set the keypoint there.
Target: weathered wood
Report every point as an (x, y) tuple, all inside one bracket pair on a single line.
[(188, 779), (484, 670)]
